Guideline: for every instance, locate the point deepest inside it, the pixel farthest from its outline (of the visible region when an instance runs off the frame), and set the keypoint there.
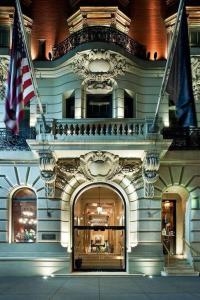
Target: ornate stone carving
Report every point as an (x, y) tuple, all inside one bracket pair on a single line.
[(195, 61), (99, 165), (150, 173), (130, 166), (99, 67), (4, 61), (96, 166), (50, 190), (47, 166), (66, 169)]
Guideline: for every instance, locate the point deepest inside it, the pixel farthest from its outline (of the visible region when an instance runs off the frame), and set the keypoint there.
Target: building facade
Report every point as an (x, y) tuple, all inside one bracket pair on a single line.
[(97, 190)]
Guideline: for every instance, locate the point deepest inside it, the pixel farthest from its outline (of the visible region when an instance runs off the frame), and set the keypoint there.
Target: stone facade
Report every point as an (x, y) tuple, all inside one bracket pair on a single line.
[(118, 152)]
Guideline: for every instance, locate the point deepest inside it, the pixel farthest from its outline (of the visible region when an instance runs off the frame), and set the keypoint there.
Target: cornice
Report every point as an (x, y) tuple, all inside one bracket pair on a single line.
[(151, 70)]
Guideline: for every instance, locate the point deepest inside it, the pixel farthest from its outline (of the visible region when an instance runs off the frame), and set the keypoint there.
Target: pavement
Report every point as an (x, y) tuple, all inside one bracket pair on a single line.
[(100, 288)]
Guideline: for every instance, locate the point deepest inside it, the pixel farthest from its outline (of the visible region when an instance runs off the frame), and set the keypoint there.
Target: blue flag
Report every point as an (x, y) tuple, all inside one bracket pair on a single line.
[(179, 86)]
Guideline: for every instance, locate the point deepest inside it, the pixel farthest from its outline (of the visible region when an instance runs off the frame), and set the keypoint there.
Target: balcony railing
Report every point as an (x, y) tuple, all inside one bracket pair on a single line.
[(99, 34), (12, 142), (183, 138), (97, 129)]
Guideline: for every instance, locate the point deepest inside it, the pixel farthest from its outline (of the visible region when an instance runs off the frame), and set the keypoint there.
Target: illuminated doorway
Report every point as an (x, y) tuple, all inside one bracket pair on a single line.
[(169, 226), (99, 231)]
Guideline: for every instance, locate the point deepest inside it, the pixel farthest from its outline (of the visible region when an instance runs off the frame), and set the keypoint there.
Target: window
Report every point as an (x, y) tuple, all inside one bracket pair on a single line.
[(4, 36), (99, 106), (24, 216), (70, 106), (195, 38), (128, 106), (42, 50)]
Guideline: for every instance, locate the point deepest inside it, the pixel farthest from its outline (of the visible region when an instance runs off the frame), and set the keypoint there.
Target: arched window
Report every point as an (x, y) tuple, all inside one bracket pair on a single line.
[(24, 216)]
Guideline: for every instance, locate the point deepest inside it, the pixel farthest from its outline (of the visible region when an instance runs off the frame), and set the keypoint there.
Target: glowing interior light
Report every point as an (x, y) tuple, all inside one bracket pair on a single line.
[(99, 210)]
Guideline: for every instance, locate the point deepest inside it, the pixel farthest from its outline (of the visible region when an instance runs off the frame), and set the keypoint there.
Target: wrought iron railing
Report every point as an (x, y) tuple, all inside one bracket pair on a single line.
[(12, 142), (183, 138), (96, 128), (99, 34), (194, 252)]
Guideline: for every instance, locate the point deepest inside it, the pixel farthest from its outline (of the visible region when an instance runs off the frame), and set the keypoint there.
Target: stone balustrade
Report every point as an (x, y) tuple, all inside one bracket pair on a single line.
[(73, 129)]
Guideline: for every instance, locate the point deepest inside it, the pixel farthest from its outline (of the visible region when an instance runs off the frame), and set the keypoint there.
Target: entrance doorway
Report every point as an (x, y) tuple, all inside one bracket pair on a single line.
[(169, 226), (99, 231)]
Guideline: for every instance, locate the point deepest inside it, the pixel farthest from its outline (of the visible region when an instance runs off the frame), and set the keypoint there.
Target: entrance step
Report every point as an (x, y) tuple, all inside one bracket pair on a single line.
[(101, 261), (64, 273), (179, 267)]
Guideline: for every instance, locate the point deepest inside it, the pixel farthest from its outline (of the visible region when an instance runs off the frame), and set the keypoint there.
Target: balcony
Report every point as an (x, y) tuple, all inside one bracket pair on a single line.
[(72, 129), (97, 134), (183, 138), (12, 142), (85, 135), (99, 34)]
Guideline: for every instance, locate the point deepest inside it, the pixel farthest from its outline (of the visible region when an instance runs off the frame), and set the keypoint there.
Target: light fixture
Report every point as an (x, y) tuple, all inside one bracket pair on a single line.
[(99, 207)]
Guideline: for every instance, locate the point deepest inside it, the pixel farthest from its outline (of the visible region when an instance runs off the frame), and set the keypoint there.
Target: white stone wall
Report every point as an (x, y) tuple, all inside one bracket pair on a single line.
[(18, 175), (177, 176)]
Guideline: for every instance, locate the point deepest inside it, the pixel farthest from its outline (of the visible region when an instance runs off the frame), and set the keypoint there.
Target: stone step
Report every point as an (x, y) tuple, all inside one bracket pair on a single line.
[(179, 267), (175, 270), (195, 274), (182, 267)]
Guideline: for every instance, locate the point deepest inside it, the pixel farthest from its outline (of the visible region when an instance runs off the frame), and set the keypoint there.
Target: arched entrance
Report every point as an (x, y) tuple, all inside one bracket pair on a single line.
[(99, 230), (174, 220)]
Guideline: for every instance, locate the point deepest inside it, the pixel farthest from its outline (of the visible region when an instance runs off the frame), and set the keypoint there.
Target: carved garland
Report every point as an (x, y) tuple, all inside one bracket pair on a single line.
[(195, 62), (3, 77)]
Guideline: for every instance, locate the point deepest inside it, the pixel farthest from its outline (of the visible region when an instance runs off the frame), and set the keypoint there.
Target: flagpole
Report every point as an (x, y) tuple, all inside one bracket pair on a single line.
[(154, 127), (35, 85)]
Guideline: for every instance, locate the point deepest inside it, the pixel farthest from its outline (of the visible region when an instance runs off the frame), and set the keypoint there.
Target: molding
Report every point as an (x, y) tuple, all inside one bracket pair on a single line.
[(193, 18), (98, 15), (149, 69)]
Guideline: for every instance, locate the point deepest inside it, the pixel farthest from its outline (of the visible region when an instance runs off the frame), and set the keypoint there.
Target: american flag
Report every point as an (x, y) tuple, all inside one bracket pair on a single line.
[(20, 90)]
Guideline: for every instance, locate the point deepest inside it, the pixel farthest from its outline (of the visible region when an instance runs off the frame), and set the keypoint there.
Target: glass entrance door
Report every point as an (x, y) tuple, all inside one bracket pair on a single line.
[(99, 248), (169, 226), (99, 232)]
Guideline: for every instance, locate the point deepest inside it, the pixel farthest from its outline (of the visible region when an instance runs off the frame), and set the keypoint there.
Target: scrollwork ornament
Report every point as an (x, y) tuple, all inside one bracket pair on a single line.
[(151, 164), (47, 166), (99, 66)]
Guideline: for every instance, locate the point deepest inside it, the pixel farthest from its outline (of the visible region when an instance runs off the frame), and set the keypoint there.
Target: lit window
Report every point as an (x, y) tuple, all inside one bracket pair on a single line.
[(24, 216)]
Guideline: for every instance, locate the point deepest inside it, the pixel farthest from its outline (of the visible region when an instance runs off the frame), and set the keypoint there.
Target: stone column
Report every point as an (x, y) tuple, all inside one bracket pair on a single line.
[(114, 104), (119, 100), (84, 98), (77, 104)]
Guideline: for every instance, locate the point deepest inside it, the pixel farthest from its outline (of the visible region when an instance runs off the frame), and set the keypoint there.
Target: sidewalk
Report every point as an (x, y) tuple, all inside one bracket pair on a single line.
[(100, 288)]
